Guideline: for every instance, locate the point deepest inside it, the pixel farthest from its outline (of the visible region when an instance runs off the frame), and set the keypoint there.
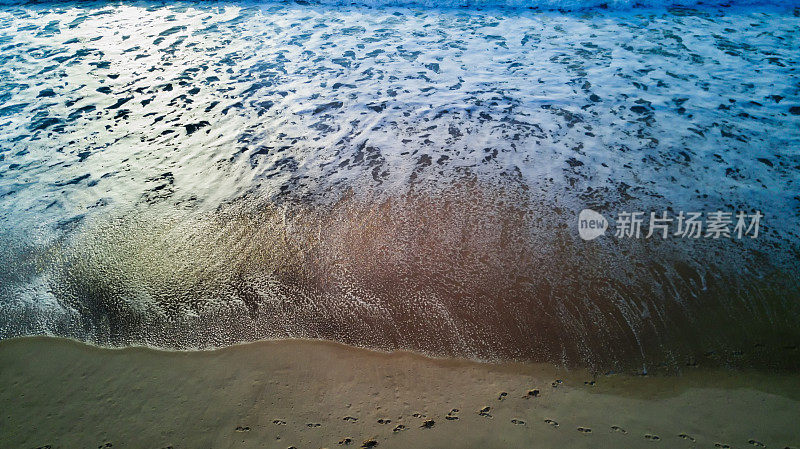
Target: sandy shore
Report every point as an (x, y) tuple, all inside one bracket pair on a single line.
[(307, 394)]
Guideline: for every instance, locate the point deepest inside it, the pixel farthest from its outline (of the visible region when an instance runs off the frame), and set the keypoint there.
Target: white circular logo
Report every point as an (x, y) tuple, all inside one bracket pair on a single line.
[(591, 224)]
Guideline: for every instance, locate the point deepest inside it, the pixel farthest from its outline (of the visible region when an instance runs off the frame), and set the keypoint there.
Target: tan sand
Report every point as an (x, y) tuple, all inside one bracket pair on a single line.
[(311, 394)]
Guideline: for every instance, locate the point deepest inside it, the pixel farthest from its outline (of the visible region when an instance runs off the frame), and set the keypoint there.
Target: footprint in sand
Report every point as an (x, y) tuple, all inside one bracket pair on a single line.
[(589, 383), (313, 424), (350, 418), (428, 423), (399, 428), (451, 415), (369, 443), (346, 441), (242, 428), (502, 396), (279, 422), (485, 412), (107, 444), (551, 422), (531, 394), (518, 422), (757, 443), (722, 446), (384, 421), (652, 437), (618, 429), (584, 430), (556, 383), (418, 415), (687, 437)]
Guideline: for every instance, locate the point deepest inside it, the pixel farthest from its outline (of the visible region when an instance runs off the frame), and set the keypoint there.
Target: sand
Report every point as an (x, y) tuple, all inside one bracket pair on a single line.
[(311, 394)]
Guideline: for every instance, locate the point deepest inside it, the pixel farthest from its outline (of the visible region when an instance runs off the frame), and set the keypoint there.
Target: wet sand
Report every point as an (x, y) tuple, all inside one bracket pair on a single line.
[(313, 394)]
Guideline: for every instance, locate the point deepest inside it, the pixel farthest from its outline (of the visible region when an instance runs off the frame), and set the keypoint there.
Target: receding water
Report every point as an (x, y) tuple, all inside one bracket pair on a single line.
[(197, 174)]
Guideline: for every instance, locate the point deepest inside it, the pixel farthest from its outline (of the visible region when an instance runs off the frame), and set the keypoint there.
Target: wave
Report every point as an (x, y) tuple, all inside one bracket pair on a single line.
[(471, 272), (398, 180)]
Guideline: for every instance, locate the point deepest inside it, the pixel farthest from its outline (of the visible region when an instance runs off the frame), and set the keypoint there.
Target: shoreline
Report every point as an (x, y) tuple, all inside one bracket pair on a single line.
[(301, 393), (469, 151), (670, 379)]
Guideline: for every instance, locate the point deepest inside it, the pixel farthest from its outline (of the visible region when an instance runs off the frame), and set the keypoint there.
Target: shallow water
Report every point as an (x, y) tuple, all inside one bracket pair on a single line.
[(196, 174)]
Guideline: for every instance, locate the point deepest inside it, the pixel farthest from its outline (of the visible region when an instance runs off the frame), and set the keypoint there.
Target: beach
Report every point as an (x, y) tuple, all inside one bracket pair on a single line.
[(311, 394), (404, 224), (193, 175)]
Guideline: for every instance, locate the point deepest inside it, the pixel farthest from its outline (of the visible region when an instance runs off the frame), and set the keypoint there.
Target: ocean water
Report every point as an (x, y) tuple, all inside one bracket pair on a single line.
[(195, 174)]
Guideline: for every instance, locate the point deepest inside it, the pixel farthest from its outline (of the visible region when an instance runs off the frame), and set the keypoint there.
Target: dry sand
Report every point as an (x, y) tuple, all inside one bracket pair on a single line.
[(310, 394)]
